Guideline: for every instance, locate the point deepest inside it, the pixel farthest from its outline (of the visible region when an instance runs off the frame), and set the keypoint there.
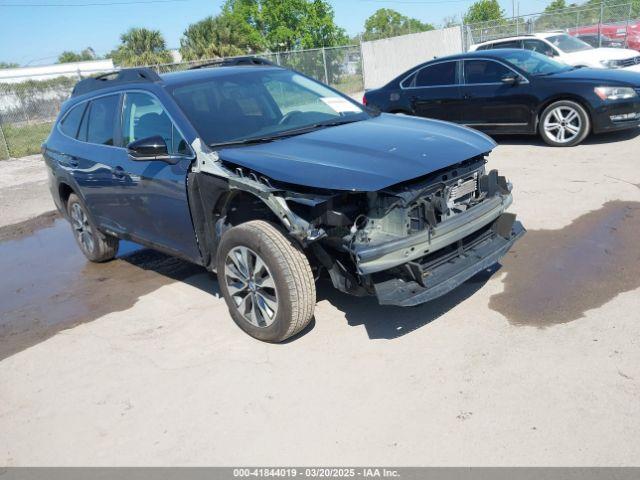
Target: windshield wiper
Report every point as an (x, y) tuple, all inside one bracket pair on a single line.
[(284, 134), (246, 141)]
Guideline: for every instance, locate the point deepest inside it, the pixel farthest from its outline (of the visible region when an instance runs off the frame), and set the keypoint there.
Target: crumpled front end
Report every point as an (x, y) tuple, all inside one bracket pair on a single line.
[(406, 243), (421, 239)]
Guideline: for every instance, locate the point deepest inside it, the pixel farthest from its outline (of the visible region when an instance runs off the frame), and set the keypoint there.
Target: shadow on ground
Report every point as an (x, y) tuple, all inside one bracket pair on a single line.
[(388, 322), (590, 140)]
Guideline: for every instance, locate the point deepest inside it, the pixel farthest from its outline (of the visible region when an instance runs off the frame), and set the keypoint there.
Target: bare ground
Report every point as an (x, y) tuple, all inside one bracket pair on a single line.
[(137, 362)]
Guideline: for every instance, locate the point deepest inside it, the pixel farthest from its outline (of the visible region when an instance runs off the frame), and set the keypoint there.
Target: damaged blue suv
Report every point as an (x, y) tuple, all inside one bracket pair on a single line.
[(273, 180)]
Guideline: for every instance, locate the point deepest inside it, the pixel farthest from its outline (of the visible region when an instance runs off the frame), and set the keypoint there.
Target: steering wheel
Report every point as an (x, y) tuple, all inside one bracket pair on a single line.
[(286, 118)]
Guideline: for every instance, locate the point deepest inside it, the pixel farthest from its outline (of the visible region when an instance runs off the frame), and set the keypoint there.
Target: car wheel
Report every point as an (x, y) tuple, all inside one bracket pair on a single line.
[(266, 281), (564, 124), (96, 246)]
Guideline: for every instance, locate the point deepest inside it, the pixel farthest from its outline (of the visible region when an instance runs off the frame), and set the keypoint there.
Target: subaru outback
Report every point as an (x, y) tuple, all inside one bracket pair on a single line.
[(274, 180)]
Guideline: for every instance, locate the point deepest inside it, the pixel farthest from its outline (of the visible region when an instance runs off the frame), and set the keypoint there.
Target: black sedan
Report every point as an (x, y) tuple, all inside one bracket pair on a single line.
[(515, 91)]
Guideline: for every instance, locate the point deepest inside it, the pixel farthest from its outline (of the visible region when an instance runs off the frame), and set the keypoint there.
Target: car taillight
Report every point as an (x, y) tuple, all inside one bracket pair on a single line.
[(364, 100)]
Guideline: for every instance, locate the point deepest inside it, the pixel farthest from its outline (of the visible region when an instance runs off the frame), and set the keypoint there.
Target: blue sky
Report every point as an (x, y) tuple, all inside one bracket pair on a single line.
[(36, 34)]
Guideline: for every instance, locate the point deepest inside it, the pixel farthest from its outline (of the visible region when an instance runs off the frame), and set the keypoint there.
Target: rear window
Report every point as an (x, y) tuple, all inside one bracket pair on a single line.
[(440, 74), (101, 120), (71, 122)]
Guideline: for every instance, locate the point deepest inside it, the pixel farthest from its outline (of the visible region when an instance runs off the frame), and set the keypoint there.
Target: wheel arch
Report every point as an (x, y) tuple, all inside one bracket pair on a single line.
[(64, 192), (570, 97), (218, 204)]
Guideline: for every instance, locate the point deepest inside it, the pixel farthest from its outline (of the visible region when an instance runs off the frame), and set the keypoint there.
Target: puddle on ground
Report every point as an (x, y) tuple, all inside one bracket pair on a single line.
[(554, 276), (47, 285)]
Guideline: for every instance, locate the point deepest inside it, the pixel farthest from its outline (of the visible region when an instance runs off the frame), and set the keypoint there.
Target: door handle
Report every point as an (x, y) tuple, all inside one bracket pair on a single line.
[(118, 172)]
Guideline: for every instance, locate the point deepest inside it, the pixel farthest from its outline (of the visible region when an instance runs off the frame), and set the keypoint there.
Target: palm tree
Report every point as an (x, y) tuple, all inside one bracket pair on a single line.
[(140, 46), (220, 36)]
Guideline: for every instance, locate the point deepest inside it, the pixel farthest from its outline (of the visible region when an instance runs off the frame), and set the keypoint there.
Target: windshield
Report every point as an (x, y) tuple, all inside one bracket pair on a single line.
[(567, 43), (253, 103), (534, 63)]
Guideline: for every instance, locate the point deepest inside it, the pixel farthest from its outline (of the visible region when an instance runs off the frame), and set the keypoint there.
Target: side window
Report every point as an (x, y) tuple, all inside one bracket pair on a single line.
[(71, 122), (507, 44), (440, 74), (539, 46), (484, 71), (143, 116), (101, 118)]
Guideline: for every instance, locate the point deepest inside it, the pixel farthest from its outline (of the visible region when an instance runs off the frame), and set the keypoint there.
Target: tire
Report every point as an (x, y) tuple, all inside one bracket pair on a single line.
[(95, 245), (564, 124), (276, 300)]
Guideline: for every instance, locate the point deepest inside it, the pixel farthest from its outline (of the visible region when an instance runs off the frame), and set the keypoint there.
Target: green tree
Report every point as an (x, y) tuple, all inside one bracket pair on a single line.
[(8, 65), (221, 36), (68, 56), (289, 25), (556, 5), (386, 22), (140, 46), (559, 15), (483, 11)]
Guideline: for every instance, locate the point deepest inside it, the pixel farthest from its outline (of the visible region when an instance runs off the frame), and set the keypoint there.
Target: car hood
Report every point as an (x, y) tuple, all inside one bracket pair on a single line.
[(598, 54), (363, 156), (602, 76)]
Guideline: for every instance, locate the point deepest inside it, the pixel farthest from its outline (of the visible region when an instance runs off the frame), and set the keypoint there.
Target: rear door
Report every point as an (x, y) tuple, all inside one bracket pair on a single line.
[(434, 91), (92, 159), (490, 103)]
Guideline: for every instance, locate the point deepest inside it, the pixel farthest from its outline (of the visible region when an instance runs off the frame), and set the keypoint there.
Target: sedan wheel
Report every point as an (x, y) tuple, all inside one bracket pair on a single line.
[(564, 124)]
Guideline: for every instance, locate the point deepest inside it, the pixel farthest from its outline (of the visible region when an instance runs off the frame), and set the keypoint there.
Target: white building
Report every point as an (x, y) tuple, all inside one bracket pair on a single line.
[(44, 72)]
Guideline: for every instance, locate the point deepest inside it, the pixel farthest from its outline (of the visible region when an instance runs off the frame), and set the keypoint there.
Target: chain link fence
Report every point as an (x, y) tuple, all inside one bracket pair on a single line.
[(605, 24), (29, 107)]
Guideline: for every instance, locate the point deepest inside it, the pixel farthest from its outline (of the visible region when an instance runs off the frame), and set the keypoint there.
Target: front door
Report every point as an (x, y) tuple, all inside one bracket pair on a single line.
[(154, 192), (491, 103)]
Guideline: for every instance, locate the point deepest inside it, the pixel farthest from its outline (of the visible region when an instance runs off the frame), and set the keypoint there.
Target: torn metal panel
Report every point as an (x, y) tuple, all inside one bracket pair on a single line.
[(207, 160)]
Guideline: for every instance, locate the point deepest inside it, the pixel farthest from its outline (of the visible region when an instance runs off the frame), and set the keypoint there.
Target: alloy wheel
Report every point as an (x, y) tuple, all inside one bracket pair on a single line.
[(251, 286), (563, 124), (81, 228)]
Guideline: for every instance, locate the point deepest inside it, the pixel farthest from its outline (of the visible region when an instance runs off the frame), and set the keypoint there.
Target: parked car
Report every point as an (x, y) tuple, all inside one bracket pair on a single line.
[(626, 33), (598, 41), (569, 50), (273, 180), (515, 91)]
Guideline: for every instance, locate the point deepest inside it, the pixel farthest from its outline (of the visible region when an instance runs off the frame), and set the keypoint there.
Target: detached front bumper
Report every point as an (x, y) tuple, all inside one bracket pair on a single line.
[(439, 273)]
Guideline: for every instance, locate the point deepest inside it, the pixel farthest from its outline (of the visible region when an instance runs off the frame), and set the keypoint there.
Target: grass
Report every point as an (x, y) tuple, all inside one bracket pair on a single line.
[(349, 84), (23, 140)]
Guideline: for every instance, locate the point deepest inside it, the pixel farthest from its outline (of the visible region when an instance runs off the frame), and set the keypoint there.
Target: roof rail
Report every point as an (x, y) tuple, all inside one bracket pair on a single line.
[(127, 75), (232, 62)]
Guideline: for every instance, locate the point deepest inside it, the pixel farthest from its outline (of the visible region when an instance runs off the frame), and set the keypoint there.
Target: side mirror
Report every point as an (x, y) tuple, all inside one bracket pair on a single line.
[(510, 79), (149, 148)]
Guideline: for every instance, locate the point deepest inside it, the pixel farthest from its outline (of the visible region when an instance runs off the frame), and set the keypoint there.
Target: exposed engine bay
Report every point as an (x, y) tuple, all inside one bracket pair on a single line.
[(407, 243)]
